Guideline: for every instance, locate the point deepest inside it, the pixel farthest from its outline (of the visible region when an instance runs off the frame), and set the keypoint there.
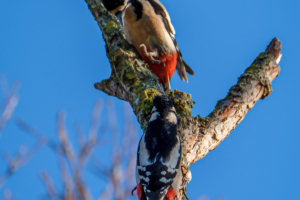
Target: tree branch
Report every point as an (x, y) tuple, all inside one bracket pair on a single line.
[(132, 81), (8, 105)]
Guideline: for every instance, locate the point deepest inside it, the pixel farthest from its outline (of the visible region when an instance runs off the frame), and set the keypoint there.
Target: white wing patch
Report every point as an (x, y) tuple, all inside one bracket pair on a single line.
[(144, 178), (171, 117), (141, 168), (154, 109), (172, 170), (173, 109), (143, 153), (164, 180), (154, 116)]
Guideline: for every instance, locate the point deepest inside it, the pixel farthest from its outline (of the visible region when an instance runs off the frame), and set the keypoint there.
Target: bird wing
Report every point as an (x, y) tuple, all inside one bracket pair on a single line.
[(181, 66), (161, 10), (159, 175)]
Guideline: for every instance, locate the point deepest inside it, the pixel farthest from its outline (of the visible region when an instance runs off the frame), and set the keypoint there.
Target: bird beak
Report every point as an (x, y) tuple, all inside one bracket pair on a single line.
[(119, 15)]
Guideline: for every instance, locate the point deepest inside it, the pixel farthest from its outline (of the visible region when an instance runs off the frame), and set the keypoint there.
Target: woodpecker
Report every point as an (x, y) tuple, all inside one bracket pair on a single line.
[(158, 169), (147, 26)]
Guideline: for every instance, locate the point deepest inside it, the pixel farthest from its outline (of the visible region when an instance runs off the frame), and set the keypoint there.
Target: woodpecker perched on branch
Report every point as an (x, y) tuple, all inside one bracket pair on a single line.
[(147, 26), (158, 170)]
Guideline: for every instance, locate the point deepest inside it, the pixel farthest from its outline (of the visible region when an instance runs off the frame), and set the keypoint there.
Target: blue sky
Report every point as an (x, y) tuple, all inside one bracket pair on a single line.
[(56, 50)]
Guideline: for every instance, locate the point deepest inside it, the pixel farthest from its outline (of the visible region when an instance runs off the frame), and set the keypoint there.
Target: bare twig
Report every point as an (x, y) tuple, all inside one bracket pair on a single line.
[(88, 146), (36, 134), (120, 175), (71, 165), (46, 178), (9, 104), (18, 160), (65, 143)]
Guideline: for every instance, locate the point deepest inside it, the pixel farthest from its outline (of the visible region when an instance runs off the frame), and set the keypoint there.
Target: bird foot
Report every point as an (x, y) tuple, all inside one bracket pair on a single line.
[(151, 54), (132, 191), (187, 178), (184, 190)]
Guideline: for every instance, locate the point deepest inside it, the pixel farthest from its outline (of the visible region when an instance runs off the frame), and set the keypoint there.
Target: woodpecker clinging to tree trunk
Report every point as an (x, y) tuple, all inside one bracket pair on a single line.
[(158, 170), (147, 26)]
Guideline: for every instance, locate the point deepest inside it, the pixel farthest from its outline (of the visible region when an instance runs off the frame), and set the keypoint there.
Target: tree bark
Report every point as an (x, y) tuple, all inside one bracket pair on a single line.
[(132, 81)]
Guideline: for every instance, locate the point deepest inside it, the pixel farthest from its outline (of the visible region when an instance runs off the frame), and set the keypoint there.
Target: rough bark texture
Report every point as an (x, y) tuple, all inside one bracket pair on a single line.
[(132, 81)]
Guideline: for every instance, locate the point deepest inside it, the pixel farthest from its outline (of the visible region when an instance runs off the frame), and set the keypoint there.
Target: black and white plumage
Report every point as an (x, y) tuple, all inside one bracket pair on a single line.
[(158, 171)]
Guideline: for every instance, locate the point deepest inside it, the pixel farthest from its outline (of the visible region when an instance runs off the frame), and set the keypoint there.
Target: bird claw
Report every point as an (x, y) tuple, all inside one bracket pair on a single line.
[(132, 191), (151, 54), (184, 192), (187, 178)]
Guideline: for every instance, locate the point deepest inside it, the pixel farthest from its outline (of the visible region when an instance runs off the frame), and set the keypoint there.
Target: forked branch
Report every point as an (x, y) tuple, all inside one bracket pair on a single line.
[(132, 81)]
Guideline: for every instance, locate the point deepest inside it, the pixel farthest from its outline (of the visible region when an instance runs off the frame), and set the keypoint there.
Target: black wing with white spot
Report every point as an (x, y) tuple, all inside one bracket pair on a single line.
[(159, 151), (157, 176)]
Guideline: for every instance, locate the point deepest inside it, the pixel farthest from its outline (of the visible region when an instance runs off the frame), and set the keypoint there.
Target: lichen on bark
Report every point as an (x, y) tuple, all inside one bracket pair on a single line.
[(132, 81)]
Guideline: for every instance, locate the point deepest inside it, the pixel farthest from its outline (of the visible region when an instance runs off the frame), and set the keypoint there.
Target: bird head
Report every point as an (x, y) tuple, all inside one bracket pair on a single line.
[(163, 106), (114, 5)]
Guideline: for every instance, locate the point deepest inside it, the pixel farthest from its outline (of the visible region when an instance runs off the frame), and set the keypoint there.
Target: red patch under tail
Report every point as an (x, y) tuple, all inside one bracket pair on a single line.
[(171, 194), (139, 191), (164, 73)]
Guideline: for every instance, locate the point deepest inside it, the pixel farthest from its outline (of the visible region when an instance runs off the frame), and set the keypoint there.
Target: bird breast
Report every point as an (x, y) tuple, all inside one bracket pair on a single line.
[(149, 29)]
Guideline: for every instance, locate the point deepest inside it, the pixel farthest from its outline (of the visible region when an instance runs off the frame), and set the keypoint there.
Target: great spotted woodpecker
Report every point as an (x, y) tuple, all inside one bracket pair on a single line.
[(158, 170), (147, 26)]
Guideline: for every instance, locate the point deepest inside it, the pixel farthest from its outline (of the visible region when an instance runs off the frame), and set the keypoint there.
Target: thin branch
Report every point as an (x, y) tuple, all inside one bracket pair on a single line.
[(120, 175), (20, 159), (47, 180), (9, 104), (65, 142), (71, 175), (39, 136), (88, 146), (68, 192)]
